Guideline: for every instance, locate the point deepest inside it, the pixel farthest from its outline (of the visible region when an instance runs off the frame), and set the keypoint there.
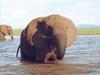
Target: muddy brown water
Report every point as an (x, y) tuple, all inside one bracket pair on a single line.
[(82, 58)]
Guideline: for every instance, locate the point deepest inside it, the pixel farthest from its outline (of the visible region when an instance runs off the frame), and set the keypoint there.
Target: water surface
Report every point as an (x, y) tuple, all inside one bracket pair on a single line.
[(82, 58)]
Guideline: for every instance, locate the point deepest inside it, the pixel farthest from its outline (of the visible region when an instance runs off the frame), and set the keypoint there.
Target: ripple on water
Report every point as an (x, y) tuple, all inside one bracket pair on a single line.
[(85, 50)]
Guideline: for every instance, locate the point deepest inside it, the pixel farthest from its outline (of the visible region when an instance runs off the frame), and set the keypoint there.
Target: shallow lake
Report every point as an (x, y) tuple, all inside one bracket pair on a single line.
[(82, 58)]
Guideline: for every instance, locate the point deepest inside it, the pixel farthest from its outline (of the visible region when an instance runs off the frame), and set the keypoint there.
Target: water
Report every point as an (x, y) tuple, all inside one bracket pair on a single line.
[(82, 58), (8, 51), (86, 50)]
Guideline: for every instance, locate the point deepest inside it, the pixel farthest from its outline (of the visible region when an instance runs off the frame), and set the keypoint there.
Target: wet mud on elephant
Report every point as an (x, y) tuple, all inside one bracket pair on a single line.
[(42, 33)]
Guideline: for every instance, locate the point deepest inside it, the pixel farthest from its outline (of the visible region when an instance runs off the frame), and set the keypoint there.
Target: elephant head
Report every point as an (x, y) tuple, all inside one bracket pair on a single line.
[(64, 32), (44, 31), (6, 30)]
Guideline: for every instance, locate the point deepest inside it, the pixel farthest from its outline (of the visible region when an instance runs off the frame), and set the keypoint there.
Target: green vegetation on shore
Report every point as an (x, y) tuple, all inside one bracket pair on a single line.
[(17, 32), (81, 31), (88, 31)]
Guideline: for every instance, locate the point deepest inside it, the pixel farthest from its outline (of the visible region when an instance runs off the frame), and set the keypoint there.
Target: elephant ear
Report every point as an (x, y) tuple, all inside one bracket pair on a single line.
[(3, 29), (71, 32), (32, 28), (30, 31)]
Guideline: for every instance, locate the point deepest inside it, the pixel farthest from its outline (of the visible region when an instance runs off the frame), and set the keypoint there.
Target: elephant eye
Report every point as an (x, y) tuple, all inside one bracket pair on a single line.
[(66, 27)]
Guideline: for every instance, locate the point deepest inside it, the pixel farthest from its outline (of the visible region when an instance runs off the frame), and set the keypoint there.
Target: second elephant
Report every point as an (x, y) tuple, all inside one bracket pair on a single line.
[(5, 30)]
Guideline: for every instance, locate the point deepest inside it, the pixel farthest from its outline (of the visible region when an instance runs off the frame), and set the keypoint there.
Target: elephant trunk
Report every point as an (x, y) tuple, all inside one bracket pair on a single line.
[(60, 45), (12, 37), (11, 34)]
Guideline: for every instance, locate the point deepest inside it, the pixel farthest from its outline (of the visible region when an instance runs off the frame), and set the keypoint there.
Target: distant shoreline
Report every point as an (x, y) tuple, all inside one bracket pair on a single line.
[(88, 31), (80, 31)]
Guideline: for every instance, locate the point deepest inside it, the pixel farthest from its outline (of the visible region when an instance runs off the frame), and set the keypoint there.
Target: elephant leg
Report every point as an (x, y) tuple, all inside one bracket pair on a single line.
[(28, 52), (23, 54)]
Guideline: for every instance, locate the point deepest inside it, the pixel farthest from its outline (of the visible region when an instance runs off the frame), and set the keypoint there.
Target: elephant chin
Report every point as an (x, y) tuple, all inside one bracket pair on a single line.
[(61, 45)]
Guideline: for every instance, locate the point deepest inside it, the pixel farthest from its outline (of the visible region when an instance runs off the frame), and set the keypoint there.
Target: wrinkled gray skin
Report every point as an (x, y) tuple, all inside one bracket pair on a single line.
[(5, 30), (60, 31)]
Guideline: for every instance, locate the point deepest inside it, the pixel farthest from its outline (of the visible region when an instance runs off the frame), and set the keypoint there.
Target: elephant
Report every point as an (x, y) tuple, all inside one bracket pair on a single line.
[(5, 30), (42, 33)]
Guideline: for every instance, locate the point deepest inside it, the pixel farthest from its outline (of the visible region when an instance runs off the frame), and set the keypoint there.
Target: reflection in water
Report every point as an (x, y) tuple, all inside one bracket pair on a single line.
[(82, 58)]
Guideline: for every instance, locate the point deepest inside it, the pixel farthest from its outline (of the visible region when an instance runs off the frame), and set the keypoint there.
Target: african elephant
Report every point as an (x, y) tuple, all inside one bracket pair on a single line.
[(5, 30), (37, 38)]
